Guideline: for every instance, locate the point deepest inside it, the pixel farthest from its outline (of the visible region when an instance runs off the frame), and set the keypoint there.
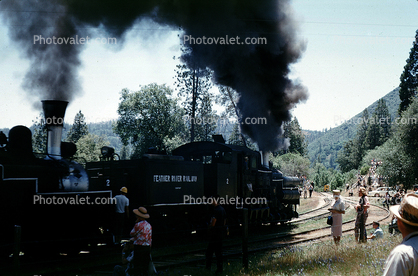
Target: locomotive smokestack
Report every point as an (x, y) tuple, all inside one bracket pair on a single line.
[(54, 112), (264, 158)]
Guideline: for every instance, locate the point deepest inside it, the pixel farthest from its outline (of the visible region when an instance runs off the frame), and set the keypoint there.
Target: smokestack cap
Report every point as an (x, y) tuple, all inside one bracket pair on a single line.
[(54, 112)]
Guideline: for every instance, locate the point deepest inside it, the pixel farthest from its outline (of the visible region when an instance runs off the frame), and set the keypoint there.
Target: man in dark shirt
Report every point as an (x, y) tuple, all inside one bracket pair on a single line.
[(217, 230)]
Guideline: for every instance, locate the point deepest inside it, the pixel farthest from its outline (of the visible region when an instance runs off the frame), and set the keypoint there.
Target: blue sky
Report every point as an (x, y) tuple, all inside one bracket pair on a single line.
[(355, 54)]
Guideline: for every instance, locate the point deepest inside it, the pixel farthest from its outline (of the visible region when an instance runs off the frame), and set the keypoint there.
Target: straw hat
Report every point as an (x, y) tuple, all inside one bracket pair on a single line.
[(336, 192), (408, 210), (363, 190), (141, 212), (124, 190)]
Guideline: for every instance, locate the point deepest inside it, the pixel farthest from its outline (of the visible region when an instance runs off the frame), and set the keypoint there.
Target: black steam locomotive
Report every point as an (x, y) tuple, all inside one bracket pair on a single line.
[(59, 203), (175, 188)]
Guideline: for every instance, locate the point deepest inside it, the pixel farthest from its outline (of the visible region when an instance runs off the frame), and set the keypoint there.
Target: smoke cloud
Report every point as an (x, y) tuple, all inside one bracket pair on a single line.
[(259, 73)]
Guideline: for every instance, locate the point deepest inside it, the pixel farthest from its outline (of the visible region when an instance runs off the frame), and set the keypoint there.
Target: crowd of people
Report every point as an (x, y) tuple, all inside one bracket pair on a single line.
[(308, 187), (403, 259)]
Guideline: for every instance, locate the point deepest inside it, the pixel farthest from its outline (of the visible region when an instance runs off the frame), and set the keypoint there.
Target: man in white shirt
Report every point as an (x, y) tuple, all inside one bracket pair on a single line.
[(403, 259), (122, 213)]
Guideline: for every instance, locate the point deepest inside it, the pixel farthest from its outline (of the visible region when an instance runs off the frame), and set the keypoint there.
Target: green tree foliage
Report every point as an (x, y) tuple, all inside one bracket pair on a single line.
[(352, 154), (193, 84), (364, 170), (291, 164), (235, 138), (148, 118), (88, 147), (206, 119), (39, 136), (336, 180), (379, 127), (297, 141), (398, 154), (78, 129), (409, 78), (372, 132), (320, 175)]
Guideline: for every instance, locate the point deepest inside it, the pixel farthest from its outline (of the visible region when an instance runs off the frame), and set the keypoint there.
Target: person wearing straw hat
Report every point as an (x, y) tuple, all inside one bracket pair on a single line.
[(403, 259), (142, 238), (337, 210), (121, 214), (362, 214)]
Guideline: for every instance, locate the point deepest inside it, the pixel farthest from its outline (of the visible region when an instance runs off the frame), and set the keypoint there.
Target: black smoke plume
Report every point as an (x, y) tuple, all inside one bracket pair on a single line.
[(259, 73)]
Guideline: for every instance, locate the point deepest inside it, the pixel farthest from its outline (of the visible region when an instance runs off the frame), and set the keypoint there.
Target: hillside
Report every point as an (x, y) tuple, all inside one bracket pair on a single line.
[(324, 145)]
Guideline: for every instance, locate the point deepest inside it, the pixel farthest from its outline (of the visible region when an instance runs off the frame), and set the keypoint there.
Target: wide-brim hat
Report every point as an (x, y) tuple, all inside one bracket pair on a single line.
[(141, 212), (408, 210), (336, 192)]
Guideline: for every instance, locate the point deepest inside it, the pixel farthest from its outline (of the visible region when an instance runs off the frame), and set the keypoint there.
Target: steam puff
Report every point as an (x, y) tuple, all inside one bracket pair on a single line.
[(259, 73)]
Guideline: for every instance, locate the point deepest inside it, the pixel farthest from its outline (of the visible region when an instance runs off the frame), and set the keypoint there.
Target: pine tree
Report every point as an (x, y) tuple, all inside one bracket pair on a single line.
[(379, 126), (78, 129), (409, 78), (39, 137), (193, 83), (206, 119)]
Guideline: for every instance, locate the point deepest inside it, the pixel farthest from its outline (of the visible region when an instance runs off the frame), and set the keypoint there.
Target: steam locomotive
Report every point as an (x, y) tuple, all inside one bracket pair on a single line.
[(59, 203)]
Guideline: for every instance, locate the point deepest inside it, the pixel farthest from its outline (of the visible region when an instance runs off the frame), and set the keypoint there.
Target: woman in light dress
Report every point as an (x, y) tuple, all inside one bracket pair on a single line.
[(337, 210)]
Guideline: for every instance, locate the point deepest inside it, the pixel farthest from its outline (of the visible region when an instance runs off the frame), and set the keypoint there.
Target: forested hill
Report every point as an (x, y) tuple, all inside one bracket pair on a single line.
[(326, 144)]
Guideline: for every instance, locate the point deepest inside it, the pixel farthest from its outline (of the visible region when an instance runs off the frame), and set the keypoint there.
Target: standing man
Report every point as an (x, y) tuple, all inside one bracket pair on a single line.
[(362, 214), (217, 230), (122, 213), (311, 187), (403, 259)]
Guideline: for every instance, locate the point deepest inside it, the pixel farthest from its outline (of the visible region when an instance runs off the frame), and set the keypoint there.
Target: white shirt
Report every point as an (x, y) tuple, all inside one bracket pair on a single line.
[(338, 205), (403, 259), (121, 202)]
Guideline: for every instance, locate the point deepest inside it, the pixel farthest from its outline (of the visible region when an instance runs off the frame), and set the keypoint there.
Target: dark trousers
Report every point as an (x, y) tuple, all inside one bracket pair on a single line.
[(360, 227), (141, 260), (215, 246)]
